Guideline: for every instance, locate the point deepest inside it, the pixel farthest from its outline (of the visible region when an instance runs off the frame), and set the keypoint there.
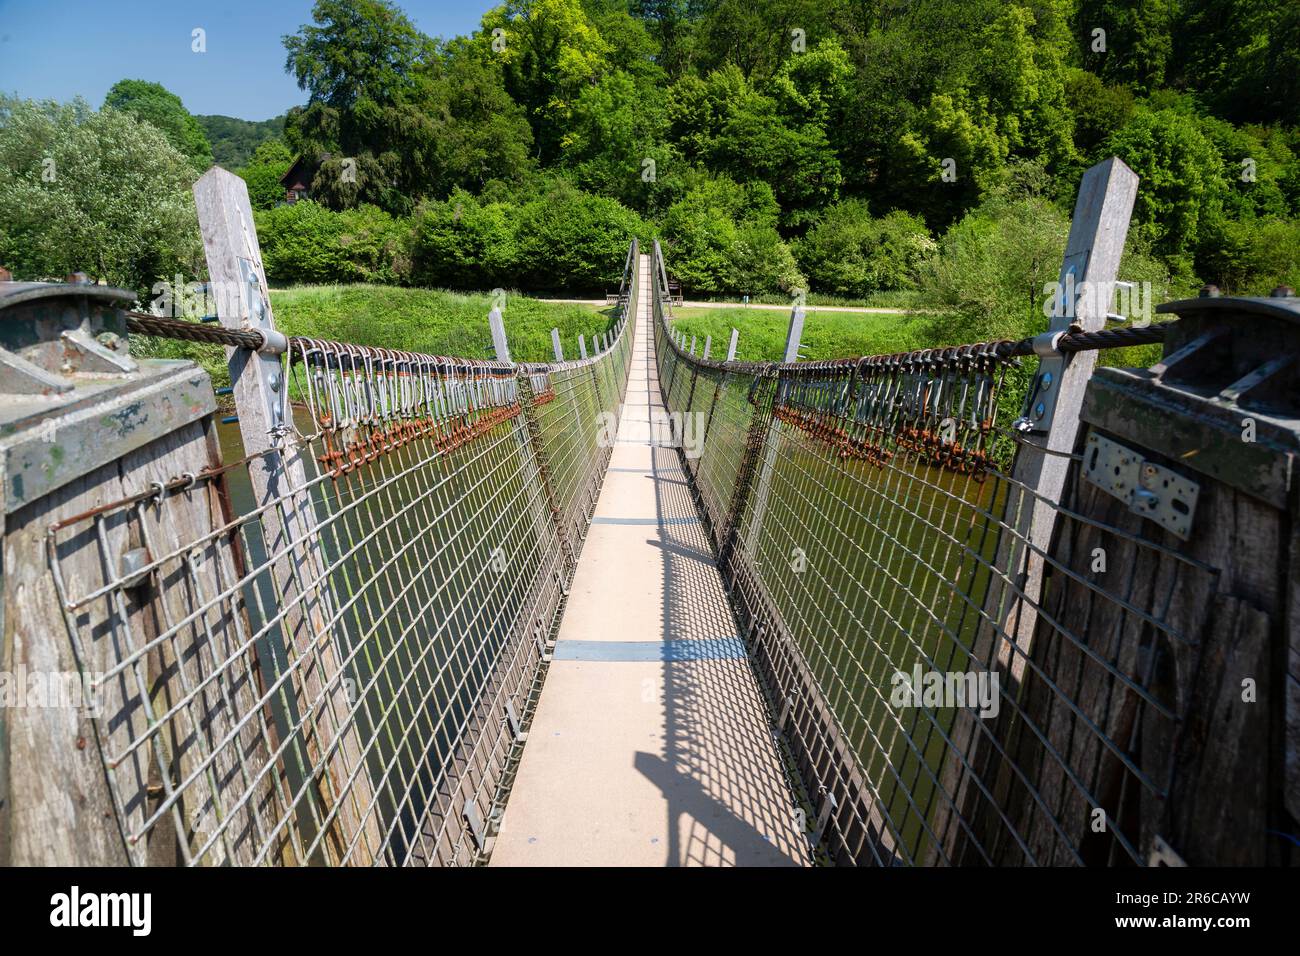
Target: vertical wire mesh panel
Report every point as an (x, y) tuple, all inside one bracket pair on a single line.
[(337, 674), (874, 542)]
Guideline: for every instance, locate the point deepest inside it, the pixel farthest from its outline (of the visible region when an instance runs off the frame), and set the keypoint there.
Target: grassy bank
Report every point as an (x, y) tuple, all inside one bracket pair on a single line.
[(842, 334), (825, 334), (432, 321)]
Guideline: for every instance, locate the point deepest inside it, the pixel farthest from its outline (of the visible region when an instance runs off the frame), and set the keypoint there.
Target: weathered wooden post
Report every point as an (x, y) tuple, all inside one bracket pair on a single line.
[(83, 425), (555, 345), (793, 335), (279, 475), (1086, 288), (582, 346), (731, 348), (1051, 428), (708, 344), (499, 342)]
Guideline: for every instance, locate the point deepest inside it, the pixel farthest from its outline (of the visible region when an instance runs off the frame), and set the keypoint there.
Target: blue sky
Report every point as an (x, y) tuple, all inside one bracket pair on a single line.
[(58, 49)]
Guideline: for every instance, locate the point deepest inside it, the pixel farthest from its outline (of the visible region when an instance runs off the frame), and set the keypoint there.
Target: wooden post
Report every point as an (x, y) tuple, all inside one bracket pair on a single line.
[(1092, 255), (692, 345), (499, 342), (708, 344), (731, 349), (1090, 268), (793, 335), (555, 344), (663, 273), (582, 346), (279, 474)]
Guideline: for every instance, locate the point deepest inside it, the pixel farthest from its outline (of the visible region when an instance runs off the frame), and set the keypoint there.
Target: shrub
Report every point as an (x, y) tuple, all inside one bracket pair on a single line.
[(264, 171), (761, 262), (102, 193), (305, 242), (571, 240), (463, 243), (721, 237), (850, 253)]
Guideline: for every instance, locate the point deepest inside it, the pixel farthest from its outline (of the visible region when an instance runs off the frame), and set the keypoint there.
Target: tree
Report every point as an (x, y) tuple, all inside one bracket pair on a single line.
[(850, 253), (357, 50), (358, 64), (1098, 111), (270, 162), (479, 133), (615, 144), (724, 123), (155, 104), (1182, 178), (1138, 41), (568, 239), (102, 193), (721, 237), (550, 50), (1242, 57)]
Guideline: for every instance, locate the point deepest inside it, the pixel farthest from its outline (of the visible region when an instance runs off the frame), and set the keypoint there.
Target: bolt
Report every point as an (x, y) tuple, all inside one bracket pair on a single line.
[(110, 340), (1047, 380)]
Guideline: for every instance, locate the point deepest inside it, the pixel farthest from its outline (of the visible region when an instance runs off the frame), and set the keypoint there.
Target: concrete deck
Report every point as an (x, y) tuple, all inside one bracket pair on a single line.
[(650, 746)]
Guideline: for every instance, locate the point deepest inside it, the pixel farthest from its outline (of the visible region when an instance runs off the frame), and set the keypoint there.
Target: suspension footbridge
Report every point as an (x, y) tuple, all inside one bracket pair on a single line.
[(987, 604), (651, 744)]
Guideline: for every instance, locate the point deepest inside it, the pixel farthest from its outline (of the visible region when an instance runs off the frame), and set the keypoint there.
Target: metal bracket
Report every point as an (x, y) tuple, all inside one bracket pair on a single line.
[(275, 393), (1150, 490), (476, 828), (515, 727), (21, 377), (1040, 404), (828, 805), (94, 358)]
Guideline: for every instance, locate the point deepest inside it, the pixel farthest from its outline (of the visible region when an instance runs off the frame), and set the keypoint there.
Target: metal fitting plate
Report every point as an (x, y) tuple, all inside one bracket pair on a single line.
[(1151, 490)]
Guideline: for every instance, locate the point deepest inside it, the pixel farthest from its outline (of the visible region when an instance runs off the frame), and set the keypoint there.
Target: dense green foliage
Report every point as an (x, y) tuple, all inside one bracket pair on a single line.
[(781, 144), (845, 148), (95, 192), (270, 161), (305, 242), (235, 140), (152, 103)]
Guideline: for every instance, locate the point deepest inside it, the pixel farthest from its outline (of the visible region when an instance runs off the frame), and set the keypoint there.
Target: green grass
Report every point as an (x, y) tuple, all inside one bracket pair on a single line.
[(887, 299), (829, 335), (432, 321), (825, 334)]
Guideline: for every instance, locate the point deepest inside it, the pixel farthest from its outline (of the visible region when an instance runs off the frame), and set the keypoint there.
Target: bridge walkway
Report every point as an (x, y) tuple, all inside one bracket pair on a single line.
[(650, 745)]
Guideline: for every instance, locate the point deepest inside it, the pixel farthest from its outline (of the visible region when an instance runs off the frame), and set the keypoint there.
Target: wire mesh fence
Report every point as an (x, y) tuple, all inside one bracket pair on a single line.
[(337, 671), (876, 544)]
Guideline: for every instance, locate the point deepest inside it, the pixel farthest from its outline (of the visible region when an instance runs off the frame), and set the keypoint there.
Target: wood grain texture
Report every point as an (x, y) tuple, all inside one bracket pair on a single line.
[(229, 236)]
